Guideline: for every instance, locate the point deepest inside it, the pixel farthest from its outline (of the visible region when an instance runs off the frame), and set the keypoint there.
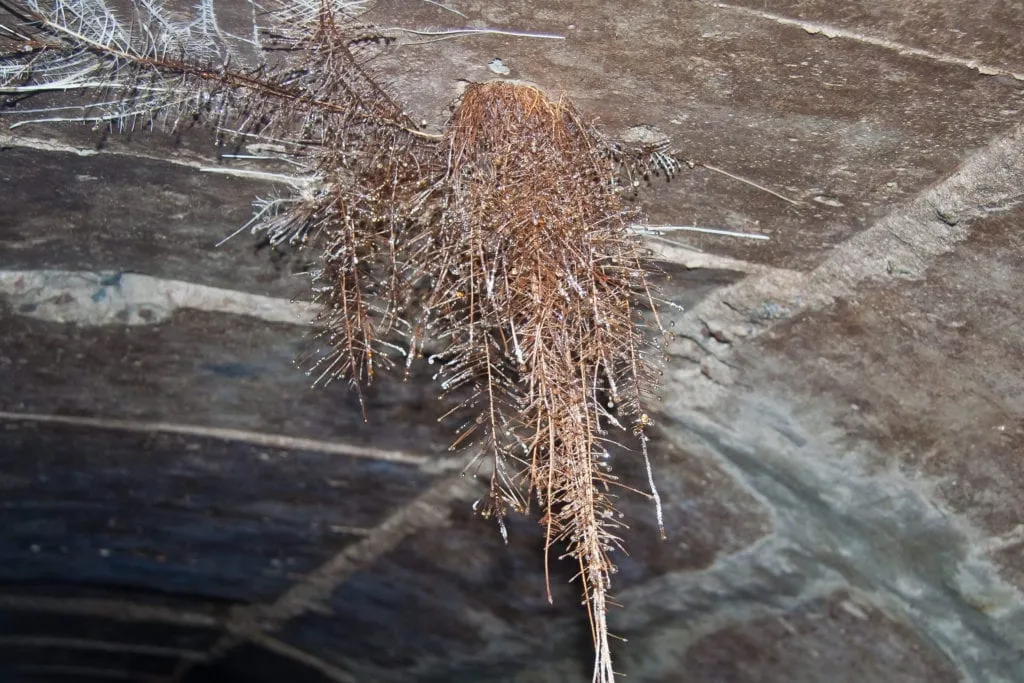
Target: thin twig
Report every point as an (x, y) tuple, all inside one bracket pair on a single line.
[(741, 179), (445, 7), (455, 32), (654, 489), (294, 181), (658, 229)]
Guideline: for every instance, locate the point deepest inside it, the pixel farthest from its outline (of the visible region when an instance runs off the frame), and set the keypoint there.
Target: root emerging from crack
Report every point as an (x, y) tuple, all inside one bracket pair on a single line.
[(540, 286), (504, 241)]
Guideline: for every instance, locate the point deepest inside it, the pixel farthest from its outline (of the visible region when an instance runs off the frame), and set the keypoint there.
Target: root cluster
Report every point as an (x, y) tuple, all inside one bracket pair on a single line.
[(503, 243)]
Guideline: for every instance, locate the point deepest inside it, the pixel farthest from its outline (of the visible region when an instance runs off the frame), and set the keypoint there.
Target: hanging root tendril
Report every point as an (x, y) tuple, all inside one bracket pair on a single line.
[(504, 243)]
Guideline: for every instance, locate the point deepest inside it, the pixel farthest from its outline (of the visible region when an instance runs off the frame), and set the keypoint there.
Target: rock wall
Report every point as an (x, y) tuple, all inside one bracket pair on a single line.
[(839, 446)]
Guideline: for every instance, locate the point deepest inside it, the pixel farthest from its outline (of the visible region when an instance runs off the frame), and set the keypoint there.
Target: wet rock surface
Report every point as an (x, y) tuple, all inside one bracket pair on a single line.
[(838, 446)]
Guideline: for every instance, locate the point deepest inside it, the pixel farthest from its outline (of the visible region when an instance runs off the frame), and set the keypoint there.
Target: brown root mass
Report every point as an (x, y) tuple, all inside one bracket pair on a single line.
[(536, 290), (503, 242), (506, 243)]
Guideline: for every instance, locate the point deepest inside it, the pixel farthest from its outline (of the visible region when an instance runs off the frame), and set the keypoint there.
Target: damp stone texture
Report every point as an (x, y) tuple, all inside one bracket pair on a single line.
[(839, 443)]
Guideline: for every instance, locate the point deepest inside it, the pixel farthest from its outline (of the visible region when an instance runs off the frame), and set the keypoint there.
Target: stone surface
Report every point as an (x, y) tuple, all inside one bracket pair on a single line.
[(200, 363), (160, 512), (836, 639), (845, 128), (838, 447), (983, 32), (915, 362), (68, 212)]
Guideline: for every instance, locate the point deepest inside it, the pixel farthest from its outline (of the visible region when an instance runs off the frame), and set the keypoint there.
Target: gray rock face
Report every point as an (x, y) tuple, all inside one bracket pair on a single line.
[(838, 446)]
